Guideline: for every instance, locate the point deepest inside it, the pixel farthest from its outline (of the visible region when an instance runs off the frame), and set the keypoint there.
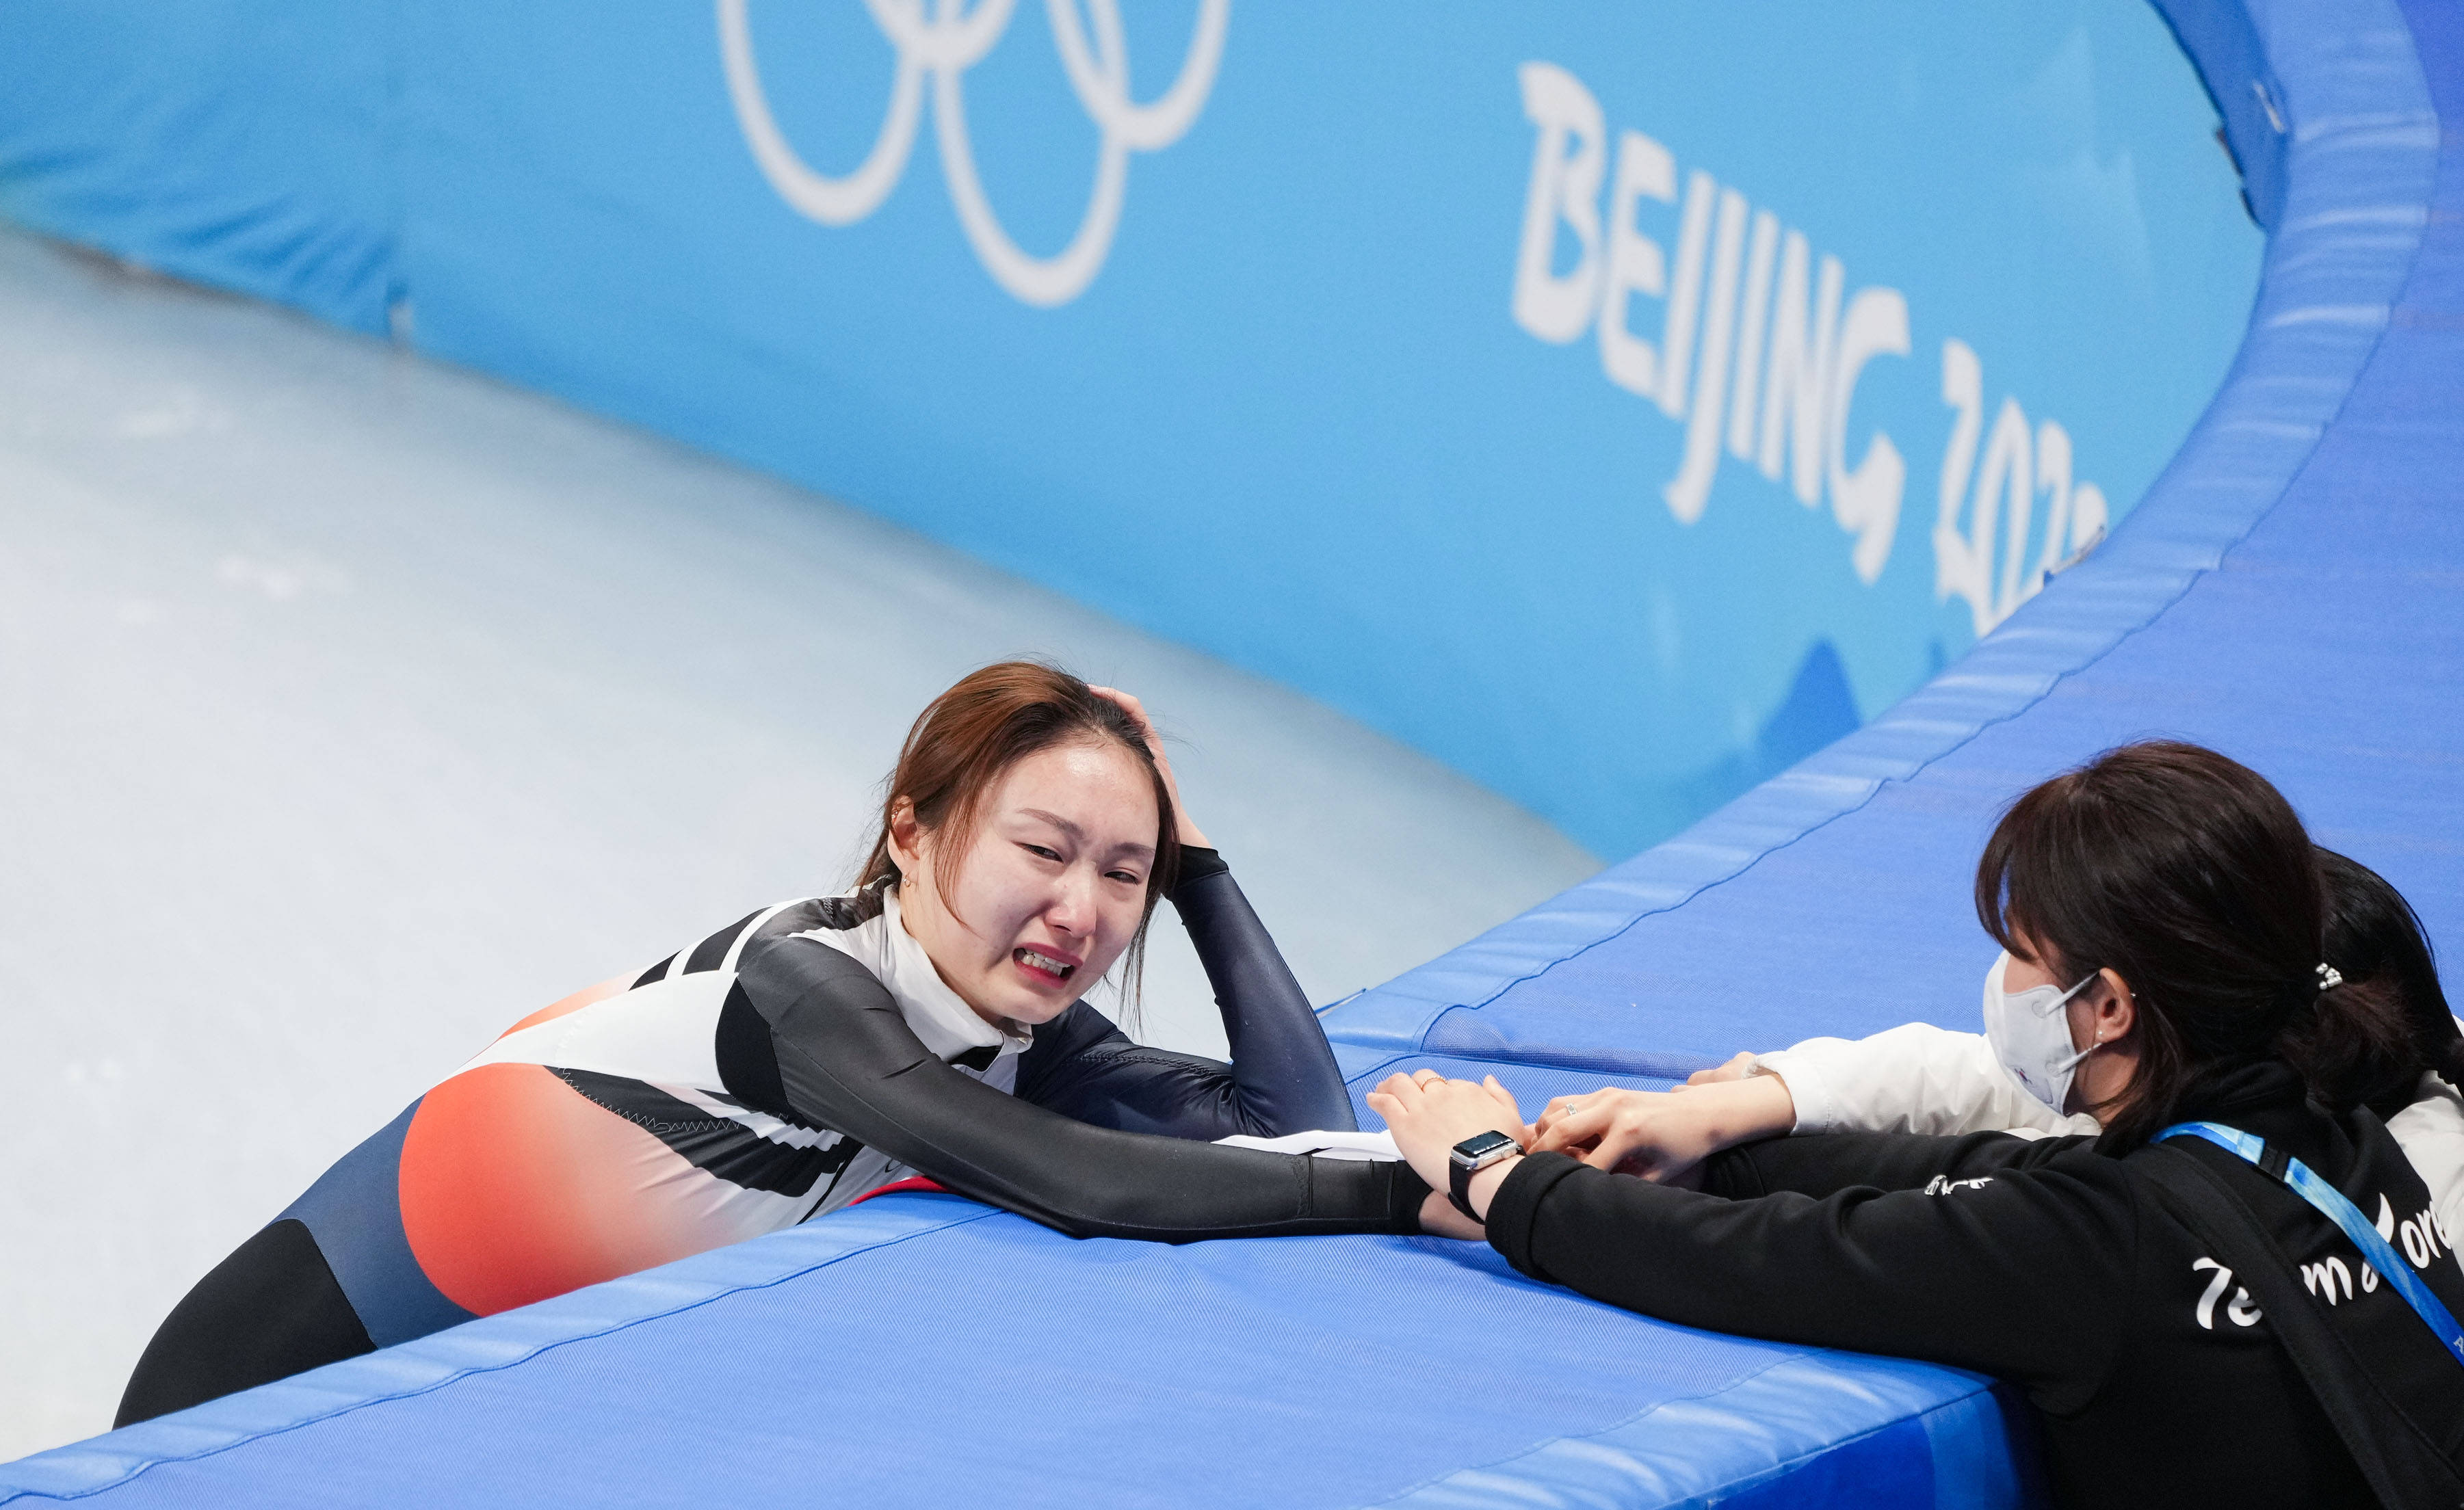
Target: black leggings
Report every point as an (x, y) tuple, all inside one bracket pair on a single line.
[(270, 1310)]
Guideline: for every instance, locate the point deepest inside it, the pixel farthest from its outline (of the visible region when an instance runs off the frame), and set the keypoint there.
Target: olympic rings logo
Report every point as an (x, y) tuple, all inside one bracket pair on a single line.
[(943, 46)]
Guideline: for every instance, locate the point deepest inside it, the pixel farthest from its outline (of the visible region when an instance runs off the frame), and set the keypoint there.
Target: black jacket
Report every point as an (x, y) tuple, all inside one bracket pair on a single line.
[(2047, 1264)]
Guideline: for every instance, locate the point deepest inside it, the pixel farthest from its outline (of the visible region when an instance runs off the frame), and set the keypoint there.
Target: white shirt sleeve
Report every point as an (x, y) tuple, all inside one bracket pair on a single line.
[(2431, 1131), (1914, 1078)]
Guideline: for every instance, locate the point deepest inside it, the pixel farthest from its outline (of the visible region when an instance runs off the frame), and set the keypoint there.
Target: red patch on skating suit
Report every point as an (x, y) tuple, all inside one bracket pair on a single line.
[(513, 1188)]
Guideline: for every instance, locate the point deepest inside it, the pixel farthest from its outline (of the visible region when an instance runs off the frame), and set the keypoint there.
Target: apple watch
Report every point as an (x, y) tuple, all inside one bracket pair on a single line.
[(1468, 1158)]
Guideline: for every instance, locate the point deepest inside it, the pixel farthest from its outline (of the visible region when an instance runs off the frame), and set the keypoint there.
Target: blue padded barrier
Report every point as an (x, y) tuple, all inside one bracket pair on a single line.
[(1060, 1372), (2290, 592)]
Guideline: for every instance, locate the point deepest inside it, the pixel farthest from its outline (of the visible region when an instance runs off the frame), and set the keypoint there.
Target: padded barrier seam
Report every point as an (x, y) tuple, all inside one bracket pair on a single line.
[(466, 1372)]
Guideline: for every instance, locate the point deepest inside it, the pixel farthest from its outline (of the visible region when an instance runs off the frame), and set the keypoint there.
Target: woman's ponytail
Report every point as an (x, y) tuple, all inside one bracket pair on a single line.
[(2355, 1045), (2448, 1062), (2376, 941)]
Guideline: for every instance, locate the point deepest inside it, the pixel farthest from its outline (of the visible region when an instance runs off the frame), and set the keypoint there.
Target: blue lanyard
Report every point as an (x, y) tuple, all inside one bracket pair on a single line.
[(2348, 1217)]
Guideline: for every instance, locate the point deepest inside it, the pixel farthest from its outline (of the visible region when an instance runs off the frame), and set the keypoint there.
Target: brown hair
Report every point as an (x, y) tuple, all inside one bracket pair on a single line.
[(966, 740), (2191, 877)]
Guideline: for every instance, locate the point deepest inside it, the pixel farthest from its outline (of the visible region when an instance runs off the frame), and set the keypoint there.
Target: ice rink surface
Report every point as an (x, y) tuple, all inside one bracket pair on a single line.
[(352, 708)]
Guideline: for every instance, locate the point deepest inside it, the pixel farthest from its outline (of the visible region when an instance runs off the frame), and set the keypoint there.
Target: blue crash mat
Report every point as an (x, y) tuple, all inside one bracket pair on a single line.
[(2291, 591), (924, 1350)]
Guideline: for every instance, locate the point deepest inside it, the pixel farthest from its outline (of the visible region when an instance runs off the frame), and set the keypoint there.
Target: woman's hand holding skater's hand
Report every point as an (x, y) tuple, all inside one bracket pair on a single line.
[(1664, 1136), (1183, 827), (1429, 1114)]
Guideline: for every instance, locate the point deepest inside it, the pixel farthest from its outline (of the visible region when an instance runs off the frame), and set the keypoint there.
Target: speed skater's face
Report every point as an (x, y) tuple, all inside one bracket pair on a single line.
[(1051, 889)]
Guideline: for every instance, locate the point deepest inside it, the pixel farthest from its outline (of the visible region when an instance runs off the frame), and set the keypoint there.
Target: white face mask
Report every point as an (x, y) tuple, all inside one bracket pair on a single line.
[(2030, 1035)]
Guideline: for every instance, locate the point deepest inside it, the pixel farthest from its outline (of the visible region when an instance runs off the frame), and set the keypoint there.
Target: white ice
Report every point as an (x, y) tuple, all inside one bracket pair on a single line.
[(352, 707)]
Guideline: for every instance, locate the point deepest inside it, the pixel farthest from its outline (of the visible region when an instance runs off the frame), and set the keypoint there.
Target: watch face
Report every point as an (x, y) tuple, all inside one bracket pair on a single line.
[(1472, 1150)]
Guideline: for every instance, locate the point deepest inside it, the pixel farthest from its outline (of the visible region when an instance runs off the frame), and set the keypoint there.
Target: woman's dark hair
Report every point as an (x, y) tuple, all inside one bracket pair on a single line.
[(2190, 876), (2374, 935), (968, 738)]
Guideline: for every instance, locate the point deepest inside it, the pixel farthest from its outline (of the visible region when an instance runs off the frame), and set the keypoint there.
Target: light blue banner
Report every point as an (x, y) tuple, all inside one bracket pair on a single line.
[(1617, 402)]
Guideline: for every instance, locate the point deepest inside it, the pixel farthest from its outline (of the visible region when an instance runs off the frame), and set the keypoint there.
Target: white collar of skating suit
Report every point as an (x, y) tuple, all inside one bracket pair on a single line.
[(936, 1014)]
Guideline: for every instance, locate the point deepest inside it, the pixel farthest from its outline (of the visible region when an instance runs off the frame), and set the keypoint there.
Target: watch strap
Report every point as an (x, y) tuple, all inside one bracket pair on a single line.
[(1459, 1187), (1468, 1158), (1459, 1176)]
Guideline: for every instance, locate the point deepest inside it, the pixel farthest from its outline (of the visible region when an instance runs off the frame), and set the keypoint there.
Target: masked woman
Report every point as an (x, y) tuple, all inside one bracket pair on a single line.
[(1919, 1078), (2173, 1298), (931, 1023)]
